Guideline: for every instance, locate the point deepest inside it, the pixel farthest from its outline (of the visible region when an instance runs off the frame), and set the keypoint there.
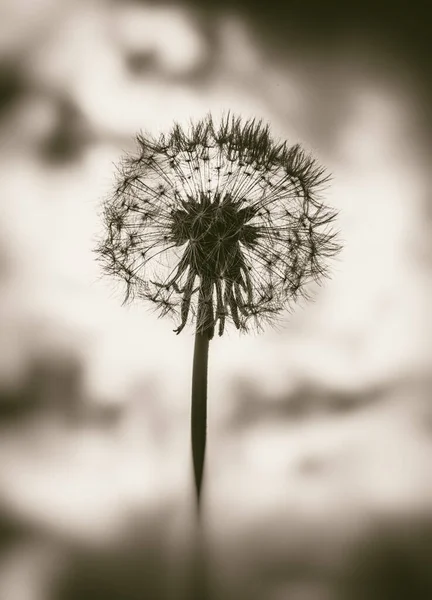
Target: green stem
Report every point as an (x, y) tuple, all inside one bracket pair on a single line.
[(199, 397)]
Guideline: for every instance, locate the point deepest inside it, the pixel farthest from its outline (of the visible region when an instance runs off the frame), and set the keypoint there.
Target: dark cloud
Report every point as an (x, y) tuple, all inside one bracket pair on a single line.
[(11, 87), (392, 34)]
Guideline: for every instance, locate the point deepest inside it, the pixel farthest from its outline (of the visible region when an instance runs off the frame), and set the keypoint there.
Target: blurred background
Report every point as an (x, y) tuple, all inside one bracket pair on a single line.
[(319, 481)]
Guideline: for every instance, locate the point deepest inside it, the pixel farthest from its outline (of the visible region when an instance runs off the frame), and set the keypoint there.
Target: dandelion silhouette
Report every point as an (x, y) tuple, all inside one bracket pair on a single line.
[(217, 225)]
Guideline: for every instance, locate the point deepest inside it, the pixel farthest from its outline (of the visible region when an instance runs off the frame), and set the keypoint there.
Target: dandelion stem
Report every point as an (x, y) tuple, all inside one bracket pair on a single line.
[(199, 398)]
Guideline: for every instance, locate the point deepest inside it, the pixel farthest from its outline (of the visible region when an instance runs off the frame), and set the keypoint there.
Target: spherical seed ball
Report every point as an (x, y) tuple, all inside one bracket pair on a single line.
[(220, 217)]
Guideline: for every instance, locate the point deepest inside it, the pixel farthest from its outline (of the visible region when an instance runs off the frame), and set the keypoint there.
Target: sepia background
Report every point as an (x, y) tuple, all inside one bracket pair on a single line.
[(319, 481)]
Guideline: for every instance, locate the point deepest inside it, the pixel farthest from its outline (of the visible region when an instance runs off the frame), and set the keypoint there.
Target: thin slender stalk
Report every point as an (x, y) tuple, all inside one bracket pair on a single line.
[(199, 402), (203, 335)]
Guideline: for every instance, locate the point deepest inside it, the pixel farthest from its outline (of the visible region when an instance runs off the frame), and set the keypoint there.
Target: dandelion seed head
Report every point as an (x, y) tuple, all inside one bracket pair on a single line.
[(218, 224)]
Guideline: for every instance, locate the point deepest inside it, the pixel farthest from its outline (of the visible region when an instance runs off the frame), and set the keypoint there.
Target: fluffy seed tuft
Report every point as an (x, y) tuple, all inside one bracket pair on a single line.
[(219, 216)]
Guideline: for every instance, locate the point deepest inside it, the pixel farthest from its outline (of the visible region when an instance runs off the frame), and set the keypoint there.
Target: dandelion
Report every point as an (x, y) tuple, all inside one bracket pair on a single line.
[(217, 225)]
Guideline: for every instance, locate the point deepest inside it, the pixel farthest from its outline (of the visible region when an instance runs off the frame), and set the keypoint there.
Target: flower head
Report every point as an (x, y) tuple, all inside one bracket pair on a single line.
[(218, 223)]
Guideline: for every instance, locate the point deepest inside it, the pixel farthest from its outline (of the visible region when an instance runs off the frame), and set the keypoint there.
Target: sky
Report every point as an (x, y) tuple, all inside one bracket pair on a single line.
[(77, 81), (77, 74)]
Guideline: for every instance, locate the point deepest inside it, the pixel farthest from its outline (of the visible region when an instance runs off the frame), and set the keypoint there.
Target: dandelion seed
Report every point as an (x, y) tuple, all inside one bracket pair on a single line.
[(215, 225), (267, 221)]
